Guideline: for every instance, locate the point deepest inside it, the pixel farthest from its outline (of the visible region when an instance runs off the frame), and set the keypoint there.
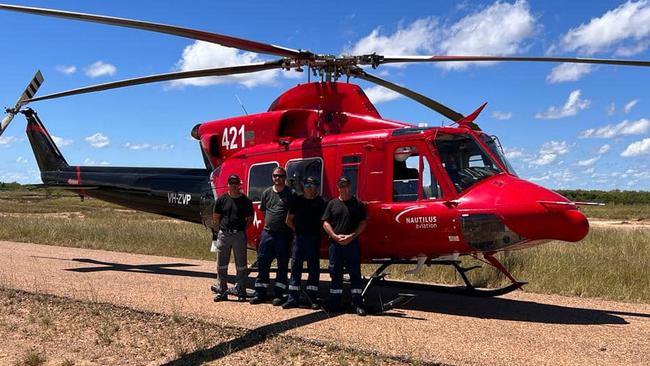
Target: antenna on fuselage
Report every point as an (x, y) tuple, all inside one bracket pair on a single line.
[(241, 104)]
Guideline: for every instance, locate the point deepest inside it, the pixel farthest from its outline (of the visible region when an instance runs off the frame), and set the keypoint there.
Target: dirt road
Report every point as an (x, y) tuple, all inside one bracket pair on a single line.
[(519, 328)]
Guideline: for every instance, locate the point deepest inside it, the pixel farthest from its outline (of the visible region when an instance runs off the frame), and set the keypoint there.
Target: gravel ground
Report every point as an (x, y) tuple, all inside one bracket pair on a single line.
[(519, 328), (53, 330)]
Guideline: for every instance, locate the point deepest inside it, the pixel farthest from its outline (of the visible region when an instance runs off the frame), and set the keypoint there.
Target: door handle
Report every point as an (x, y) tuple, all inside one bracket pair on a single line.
[(387, 208)]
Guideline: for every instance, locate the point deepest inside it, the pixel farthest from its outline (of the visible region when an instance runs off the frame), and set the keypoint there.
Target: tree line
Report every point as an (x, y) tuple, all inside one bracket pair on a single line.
[(615, 196)]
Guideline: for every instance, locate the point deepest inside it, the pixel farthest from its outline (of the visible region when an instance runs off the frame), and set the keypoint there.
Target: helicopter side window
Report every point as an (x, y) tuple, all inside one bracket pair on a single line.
[(299, 170), (430, 186), (351, 170), (406, 174), (259, 179)]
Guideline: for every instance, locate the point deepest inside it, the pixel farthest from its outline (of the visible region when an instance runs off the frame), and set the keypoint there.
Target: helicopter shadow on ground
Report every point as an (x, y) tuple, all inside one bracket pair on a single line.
[(425, 301)]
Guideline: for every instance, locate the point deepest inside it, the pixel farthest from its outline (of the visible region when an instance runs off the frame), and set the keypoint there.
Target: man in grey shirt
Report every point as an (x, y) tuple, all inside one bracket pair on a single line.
[(275, 239)]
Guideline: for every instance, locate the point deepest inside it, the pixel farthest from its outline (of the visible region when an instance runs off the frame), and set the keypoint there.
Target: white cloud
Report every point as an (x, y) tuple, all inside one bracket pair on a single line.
[(21, 160), (637, 148), (60, 141), (559, 177), (611, 110), (625, 128), (570, 107), (66, 69), (625, 30), (379, 94), (588, 162), (100, 68), (603, 149), (628, 107), (203, 55), (514, 153), (550, 152), (145, 146), (98, 140), (89, 161), (499, 29), (413, 39), (6, 141), (568, 72), (503, 116)]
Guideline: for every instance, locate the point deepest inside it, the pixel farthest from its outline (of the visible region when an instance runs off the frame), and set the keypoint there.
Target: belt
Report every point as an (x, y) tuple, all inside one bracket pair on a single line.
[(231, 231)]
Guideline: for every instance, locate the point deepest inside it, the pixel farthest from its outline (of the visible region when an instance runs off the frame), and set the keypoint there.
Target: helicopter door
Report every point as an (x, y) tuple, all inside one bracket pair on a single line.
[(418, 217)]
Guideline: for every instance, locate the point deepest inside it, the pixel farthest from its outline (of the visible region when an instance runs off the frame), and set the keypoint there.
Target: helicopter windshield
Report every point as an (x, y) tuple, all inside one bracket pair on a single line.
[(464, 160), (494, 145)]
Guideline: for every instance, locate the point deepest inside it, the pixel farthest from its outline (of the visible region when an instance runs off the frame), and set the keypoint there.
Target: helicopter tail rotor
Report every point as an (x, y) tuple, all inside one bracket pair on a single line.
[(29, 92)]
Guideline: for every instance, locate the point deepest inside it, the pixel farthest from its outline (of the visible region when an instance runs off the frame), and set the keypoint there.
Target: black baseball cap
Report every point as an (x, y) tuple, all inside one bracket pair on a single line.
[(343, 181), (312, 181), (234, 179)]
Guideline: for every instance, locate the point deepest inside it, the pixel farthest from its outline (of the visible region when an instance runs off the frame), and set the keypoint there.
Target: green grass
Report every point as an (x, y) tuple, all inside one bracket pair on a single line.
[(617, 211), (609, 263)]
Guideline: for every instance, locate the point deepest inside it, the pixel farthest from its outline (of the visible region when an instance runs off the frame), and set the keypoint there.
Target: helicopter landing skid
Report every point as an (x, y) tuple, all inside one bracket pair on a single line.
[(378, 278)]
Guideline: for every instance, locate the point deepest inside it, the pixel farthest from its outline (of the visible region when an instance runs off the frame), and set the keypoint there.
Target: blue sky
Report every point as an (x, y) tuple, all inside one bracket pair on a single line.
[(562, 126)]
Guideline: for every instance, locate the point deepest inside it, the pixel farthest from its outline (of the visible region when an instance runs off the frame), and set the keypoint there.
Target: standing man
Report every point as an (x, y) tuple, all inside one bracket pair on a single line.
[(233, 213), (275, 240), (304, 219), (344, 220)]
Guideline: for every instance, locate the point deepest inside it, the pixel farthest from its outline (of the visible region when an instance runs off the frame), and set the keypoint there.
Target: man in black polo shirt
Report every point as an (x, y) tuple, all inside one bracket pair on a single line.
[(275, 239), (344, 220), (233, 212), (305, 219)]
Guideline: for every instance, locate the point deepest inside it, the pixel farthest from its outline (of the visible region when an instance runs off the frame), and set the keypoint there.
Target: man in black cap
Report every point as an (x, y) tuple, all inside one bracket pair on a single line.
[(275, 239), (304, 219), (344, 220), (233, 212)]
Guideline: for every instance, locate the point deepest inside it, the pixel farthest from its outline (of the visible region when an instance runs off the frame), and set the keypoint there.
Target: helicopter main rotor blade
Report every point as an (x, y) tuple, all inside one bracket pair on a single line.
[(224, 40), (219, 71), (428, 102), (575, 60)]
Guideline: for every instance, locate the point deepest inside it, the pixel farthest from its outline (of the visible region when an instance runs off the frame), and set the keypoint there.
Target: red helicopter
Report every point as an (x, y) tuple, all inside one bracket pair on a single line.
[(432, 194)]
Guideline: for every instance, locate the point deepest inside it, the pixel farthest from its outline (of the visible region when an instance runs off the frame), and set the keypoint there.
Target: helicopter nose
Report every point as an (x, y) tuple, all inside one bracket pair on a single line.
[(537, 213)]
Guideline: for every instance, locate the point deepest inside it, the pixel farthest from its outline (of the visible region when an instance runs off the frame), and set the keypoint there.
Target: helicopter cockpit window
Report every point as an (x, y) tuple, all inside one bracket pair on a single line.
[(299, 170), (494, 145), (464, 160), (407, 167), (259, 179)]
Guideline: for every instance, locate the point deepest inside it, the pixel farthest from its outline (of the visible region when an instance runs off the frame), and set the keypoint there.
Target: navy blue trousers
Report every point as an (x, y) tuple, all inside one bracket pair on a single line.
[(345, 257), (305, 248), (273, 245)]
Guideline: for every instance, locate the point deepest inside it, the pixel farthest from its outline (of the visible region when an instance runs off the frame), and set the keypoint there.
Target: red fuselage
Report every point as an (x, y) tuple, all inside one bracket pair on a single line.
[(429, 191)]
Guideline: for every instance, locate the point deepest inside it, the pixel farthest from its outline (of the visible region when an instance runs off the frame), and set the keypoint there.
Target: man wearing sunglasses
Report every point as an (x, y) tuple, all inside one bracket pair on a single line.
[(275, 239), (233, 213), (305, 219)]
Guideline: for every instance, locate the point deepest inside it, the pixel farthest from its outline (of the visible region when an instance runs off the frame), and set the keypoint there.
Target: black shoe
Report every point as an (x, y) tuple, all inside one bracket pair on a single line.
[(242, 297), (360, 311), (277, 301), (220, 297), (291, 304), (257, 300), (214, 288), (314, 306)]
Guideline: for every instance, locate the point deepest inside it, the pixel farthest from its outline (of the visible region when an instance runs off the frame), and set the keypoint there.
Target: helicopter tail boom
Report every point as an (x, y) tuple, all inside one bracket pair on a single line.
[(48, 156)]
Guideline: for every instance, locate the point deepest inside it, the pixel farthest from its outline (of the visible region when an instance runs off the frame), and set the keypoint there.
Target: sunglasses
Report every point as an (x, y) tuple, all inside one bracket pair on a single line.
[(232, 182), (309, 185), (279, 175)]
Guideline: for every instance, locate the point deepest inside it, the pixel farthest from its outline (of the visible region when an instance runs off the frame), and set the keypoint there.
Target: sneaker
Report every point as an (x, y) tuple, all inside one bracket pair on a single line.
[(291, 304), (314, 306), (277, 301), (360, 311), (214, 288), (242, 297), (220, 297), (257, 300)]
